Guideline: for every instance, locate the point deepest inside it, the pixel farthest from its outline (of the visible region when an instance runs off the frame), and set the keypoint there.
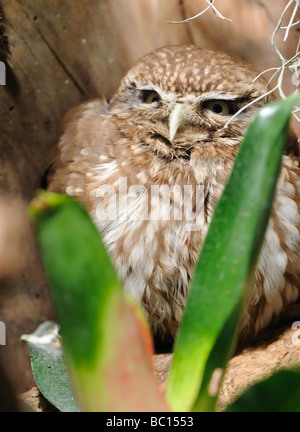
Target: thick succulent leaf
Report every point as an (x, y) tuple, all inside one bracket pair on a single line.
[(107, 344), (225, 270), (279, 393), (49, 367)]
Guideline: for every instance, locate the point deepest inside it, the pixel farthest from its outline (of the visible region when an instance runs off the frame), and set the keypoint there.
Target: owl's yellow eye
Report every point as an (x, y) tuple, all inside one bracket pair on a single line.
[(218, 107), (150, 96)]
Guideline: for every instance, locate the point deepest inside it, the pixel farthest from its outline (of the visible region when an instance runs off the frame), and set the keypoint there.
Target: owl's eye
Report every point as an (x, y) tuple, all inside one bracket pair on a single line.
[(218, 107), (150, 96)]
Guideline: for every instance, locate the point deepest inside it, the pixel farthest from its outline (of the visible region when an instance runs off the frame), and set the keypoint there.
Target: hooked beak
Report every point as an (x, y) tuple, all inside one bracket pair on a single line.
[(176, 119)]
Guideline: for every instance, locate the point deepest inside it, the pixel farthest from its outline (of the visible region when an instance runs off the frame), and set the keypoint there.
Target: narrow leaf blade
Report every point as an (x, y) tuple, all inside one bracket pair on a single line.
[(106, 343), (225, 271)]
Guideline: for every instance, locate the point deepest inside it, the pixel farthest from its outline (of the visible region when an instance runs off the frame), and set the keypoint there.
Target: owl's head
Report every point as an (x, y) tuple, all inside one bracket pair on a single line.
[(180, 98)]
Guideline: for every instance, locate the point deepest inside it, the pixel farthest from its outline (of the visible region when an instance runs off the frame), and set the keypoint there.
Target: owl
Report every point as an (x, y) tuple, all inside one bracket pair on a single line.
[(151, 163)]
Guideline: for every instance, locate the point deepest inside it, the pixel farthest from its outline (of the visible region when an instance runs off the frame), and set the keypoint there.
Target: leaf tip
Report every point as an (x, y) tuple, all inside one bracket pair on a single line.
[(44, 202)]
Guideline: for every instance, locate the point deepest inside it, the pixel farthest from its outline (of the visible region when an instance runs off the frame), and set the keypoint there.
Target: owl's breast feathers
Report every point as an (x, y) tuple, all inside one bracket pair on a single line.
[(154, 232)]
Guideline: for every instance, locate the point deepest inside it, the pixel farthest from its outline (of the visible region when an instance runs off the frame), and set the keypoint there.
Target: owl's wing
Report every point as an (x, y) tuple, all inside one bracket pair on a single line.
[(85, 137)]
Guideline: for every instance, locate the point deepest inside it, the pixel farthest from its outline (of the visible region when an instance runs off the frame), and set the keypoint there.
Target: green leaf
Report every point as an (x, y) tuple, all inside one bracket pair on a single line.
[(107, 343), (279, 393), (49, 368), (225, 270)]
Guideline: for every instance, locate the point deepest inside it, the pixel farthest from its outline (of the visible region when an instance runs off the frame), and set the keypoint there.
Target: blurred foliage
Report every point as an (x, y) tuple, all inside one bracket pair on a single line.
[(106, 341)]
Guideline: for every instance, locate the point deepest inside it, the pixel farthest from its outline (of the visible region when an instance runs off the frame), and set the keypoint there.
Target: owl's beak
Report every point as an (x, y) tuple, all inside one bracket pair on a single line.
[(176, 119)]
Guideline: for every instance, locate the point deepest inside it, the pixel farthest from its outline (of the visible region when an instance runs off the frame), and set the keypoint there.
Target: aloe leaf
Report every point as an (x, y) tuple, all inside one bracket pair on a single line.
[(107, 343), (279, 393), (49, 368), (224, 273)]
